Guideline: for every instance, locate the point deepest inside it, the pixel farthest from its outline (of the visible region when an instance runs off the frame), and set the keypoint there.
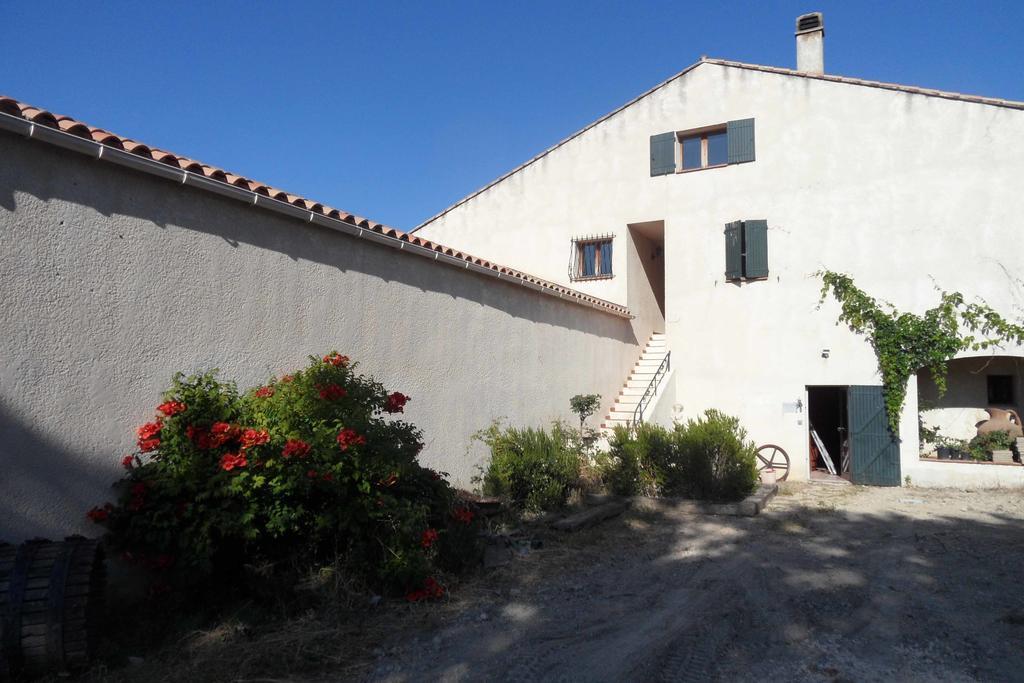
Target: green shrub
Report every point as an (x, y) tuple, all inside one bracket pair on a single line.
[(716, 460), (531, 469), (709, 459), (982, 445), (290, 475), (639, 460)]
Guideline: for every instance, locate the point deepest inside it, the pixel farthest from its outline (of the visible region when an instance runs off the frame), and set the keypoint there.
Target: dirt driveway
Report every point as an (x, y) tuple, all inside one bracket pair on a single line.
[(829, 584)]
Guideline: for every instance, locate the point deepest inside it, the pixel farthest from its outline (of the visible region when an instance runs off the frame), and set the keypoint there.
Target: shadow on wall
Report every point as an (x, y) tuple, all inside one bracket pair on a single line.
[(45, 499), (105, 188)]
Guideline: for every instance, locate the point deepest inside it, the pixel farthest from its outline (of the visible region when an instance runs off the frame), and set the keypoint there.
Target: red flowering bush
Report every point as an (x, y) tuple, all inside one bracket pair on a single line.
[(290, 474)]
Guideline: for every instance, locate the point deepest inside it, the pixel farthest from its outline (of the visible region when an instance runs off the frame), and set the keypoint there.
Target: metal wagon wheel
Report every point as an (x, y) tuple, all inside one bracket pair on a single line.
[(775, 457)]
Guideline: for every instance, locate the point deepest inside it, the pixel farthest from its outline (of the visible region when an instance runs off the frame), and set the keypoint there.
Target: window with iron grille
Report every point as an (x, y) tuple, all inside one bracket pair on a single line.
[(591, 258)]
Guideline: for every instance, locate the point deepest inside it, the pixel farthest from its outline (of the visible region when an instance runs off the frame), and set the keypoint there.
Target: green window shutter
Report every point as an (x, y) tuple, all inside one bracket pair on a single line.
[(755, 241), (734, 250), (663, 154), (740, 136)]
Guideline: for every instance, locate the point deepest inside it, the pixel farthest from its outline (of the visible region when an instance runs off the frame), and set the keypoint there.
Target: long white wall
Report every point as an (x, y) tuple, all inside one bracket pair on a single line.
[(905, 192), (112, 280)]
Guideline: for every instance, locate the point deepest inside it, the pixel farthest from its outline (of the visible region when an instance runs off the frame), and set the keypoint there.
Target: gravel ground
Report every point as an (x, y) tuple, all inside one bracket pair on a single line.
[(831, 583)]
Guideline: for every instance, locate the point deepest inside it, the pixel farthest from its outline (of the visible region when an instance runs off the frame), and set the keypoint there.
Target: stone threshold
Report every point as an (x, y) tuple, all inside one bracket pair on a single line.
[(750, 506)]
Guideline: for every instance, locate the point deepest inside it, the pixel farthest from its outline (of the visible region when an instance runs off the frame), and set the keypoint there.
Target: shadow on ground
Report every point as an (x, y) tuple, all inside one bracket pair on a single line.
[(829, 584), (809, 591)]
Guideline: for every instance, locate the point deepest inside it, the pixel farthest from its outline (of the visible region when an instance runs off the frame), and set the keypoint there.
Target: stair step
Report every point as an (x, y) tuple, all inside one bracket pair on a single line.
[(622, 415), (640, 384), (630, 400), (649, 362), (632, 391)]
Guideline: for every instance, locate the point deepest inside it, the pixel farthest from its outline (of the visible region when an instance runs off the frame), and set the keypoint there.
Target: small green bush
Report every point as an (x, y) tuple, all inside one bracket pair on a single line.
[(717, 461), (982, 445), (531, 469), (311, 469), (709, 458), (639, 460)]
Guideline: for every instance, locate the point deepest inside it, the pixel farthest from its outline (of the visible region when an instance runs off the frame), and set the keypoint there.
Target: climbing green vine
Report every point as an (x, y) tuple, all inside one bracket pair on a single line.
[(906, 343)]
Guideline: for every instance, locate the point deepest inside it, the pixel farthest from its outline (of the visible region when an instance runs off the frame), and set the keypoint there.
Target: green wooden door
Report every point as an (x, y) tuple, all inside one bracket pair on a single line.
[(874, 449)]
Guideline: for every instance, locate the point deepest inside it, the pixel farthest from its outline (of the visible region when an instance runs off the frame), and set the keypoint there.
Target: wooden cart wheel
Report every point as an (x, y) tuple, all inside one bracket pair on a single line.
[(775, 457)]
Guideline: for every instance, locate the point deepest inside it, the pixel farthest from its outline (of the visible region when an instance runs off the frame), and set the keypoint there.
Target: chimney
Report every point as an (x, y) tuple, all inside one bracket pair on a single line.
[(810, 43)]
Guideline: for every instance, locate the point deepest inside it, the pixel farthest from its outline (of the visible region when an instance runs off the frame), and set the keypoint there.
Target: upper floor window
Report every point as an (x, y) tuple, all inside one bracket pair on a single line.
[(703, 150), (746, 250), (591, 258), (707, 147)]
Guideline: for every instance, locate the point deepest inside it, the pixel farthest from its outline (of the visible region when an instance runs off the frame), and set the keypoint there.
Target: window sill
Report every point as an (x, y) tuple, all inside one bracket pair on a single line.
[(588, 278), (702, 168)]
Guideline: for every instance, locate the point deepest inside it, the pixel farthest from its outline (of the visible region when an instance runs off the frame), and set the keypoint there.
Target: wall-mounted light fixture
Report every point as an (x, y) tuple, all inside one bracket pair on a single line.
[(825, 353)]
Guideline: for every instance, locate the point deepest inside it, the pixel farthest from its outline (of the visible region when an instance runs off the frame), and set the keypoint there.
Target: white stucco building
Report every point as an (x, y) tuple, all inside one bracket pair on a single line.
[(687, 224), (706, 205)]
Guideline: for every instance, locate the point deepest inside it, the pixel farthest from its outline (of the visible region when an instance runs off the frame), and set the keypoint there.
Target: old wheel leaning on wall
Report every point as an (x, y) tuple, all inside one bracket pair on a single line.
[(51, 603)]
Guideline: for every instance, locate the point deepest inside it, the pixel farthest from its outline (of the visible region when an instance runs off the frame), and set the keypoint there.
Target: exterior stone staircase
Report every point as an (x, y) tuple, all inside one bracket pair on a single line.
[(641, 376)]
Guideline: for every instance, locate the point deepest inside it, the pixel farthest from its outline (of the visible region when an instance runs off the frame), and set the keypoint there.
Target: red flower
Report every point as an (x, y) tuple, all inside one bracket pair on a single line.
[(100, 514), (148, 445), (222, 432), (428, 538), (138, 496), (334, 359), (230, 461), (252, 437), (170, 408), (328, 476), (162, 562), (396, 403), (464, 515), (431, 589), (265, 392), (348, 437), (149, 430), (312, 474), (127, 461), (200, 436), (295, 448), (331, 392)]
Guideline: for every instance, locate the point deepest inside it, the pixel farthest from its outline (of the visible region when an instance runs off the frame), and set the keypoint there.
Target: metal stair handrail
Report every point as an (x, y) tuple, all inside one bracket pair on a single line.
[(652, 387)]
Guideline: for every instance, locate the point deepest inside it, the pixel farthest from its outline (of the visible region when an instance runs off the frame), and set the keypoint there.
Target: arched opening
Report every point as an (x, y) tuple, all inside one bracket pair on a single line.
[(984, 395)]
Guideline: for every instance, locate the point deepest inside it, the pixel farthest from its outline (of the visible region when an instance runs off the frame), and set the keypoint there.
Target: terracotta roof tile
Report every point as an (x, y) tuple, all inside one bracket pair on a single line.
[(66, 124), (69, 125)]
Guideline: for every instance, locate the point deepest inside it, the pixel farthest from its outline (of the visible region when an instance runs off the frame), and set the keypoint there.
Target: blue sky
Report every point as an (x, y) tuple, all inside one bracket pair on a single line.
[(394, 110)]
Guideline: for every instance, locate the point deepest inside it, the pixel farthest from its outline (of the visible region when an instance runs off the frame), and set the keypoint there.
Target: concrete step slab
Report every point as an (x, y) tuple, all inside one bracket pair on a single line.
[(591, 516), (748, 507)]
